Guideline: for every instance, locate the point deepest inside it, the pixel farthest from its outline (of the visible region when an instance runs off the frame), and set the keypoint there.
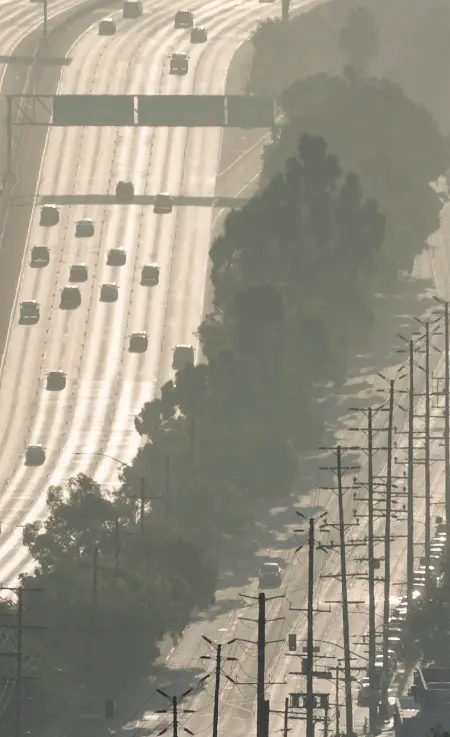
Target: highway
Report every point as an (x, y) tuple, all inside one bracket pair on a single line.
[(106, 385)]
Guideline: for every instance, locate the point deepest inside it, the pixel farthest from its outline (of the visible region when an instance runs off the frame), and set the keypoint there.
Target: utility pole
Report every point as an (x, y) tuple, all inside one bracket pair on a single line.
[(261, 730), (19, 656), (310, 701), (410, 544), (262, 705), (218, 648), (174, 700), (338, 715), (387, 548), (142, 501), (285, 10), (447, 429), (427, 456), (345, 621), (116, 548), (372, 627), (286, 718)]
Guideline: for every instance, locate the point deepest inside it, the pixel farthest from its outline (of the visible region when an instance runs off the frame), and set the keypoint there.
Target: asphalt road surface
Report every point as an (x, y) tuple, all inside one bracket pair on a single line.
[(106, 385)]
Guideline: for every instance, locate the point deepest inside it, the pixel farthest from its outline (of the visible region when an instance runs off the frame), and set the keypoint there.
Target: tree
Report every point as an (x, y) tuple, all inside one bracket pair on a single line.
[(359, 38), (390, 142)]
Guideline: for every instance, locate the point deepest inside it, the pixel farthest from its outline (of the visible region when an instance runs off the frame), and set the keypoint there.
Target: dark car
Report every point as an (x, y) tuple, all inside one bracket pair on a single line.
[(150, 275), (270, 575), (116, 257), (179, 64), (29, 312), (40, 256), (70, 298), (109, 292), (199, 35), (163, 203), (107, 27), (184, 19), (84, 228), (49, 216), (138, 342), (56, 381), (132, 9), (34, 455), (124, 191), (78, 273)]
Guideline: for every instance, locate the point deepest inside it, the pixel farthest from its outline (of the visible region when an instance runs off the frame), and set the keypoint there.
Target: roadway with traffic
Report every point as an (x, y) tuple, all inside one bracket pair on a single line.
[(106, 385)]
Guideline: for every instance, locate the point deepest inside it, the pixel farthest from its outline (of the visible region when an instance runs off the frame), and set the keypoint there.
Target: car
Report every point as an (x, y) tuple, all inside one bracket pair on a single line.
[(109, 292), (70, 297), (269, 575), (132, 9), (441, 527), (199, 35), (163, 203), (34, 455), (78, 273), (179, 64), (182, 356), (116, 257), (107, 27), (56, 381), (40, 256), (150, 275), (29, 312), (437, 547), (84, 228), (49, 216), (124, 191), (138, 342), (364, 692), (184, 19)]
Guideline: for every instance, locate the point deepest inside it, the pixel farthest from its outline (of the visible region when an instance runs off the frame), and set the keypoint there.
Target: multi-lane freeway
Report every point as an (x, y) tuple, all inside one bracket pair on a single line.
[(106, 385)]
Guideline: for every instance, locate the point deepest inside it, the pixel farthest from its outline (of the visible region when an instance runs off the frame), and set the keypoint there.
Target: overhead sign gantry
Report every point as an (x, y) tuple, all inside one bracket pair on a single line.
[(223, 111)]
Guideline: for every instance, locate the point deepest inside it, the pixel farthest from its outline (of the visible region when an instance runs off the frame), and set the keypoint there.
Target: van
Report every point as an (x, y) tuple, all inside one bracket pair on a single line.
[(182, 355)]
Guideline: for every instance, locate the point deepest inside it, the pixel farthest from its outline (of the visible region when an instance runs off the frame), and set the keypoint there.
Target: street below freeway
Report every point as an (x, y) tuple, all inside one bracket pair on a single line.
[(229, 619)]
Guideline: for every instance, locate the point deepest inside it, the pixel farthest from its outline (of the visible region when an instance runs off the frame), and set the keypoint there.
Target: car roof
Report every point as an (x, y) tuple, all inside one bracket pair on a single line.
[(85, 220), (46, 247), (151, 266), (29, 302), (57, 371), (35, 446), (49, 205), (142, 334), (110, 284), (78, 266), (163, 194), (117, 248), (270, 564), (71, 287)]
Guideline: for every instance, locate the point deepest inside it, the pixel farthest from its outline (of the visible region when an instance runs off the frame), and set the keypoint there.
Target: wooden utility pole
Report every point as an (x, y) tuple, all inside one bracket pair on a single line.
[(410, 539), (344, 590), (387, 549)]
